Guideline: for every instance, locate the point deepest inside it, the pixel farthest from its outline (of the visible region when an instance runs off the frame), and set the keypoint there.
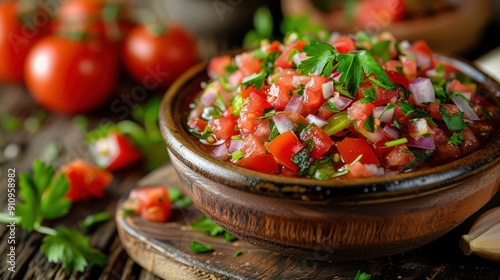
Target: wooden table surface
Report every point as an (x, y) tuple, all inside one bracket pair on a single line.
[(31, 264)]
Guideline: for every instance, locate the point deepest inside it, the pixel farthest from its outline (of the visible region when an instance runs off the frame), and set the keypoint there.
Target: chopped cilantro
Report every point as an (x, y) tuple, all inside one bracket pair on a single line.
[(362, 276), (454, 122), (274, 130), (331, 107), (456, 138), (267, 113), (407, 108), (382, 50), (229, 237), (256, 79), (370, 96), (206, 226), (369, 123), (237, 253)]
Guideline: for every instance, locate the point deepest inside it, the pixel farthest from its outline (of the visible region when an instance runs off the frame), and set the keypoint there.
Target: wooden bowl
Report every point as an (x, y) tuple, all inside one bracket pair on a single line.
[(336, 219)]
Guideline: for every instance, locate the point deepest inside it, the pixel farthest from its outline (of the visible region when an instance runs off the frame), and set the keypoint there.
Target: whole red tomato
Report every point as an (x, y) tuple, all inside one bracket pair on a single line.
[(156, 58), (70, 76), (18, 33), (106, 19)]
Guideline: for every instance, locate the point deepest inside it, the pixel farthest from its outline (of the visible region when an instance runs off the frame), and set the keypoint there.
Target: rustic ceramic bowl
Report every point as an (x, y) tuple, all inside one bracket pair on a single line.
[(330, 220)]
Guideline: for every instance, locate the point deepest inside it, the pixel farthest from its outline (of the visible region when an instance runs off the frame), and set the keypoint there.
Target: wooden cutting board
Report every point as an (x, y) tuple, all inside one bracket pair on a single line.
[(162, 248)]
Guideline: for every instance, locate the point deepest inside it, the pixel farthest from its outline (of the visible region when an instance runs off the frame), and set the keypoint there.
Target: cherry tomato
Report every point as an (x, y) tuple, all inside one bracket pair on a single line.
[(70, 76), (85, 180), (114, 151), (157, 59), (153, 203), (18, 33)]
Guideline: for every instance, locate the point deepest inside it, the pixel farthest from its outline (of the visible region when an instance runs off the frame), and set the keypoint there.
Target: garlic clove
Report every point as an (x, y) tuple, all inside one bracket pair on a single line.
[(484, 236)]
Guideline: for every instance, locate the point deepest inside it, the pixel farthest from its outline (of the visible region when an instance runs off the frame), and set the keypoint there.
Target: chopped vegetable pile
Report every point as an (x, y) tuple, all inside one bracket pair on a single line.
[(347, 107)]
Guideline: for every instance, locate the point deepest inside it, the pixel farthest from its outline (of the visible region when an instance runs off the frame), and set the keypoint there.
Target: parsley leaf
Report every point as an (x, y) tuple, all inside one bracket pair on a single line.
[(207, 226), (320, 61), (371, 66), (256, 79), (43, 197), (352, 72), (72, 249), (92, 220), (197, 247), (454, 122), (362, 276)]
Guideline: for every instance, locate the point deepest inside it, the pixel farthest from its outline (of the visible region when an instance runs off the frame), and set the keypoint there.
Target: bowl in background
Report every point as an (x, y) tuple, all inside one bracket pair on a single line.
[(335, 219)]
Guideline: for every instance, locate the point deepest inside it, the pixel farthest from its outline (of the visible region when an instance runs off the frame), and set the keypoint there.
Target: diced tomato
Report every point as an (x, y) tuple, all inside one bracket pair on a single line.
[(433, 109), (262, 131), (284, 147), (399, 157), (278, 96), (470, 141), (85, 180), (217, 65), (284, 60), (351, 148), (409, 68), (359, 112), (313, 94), (343, 44), (457, 86), (438, 135), (251, 111), (153, 203), (223, 128), (447, 151), (394, 65), (248, 64), (322, 142), (252, 146), (262, 163), (197, 124), (422, 47), (275, 46), (398, 78), (400, 115), (114, 151)]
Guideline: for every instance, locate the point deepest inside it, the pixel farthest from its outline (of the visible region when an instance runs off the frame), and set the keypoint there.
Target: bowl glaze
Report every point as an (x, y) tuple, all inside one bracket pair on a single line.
[(336, 219)]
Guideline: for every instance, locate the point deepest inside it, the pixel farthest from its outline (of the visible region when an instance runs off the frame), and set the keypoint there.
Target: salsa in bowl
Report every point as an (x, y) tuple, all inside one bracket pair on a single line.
[(343, 216)]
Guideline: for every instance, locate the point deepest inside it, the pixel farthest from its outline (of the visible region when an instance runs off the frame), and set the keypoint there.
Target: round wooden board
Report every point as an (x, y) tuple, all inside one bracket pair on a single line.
[(163, 250)]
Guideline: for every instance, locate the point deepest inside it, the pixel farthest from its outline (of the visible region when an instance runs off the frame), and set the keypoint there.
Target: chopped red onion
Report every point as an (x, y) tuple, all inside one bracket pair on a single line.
[(295, 104), (465, 107), (317, 120), (423, 59), (422, 142), (382, 114), (299, 57), (374, 169), (235, 145), (340, 102), (283, 123), (327, 89), (335, 75), (208, 96), (422, 90), (300, 80), (391, 132), (221, 152)]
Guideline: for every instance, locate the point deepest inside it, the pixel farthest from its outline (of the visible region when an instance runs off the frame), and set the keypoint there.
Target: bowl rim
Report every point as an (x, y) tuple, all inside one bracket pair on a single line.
[(182, 146)]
